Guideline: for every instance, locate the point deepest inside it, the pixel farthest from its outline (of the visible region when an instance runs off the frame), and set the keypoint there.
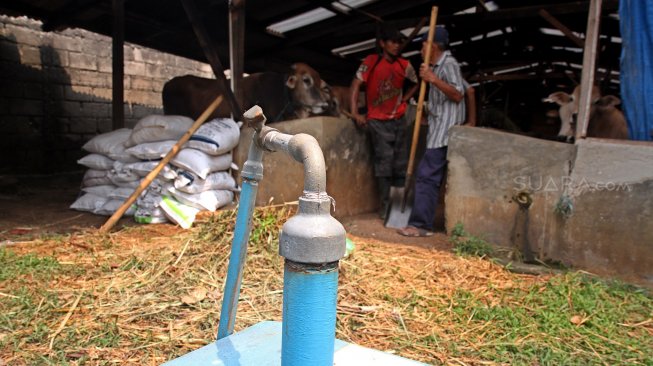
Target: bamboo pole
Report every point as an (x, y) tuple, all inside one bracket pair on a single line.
[(420, 109)]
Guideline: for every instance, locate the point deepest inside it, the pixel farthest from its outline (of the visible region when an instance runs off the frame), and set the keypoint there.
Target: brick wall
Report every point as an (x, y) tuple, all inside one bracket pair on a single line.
[(55, 92)]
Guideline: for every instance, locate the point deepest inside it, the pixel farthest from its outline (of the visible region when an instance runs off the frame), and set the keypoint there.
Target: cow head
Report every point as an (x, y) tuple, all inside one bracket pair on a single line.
[(308, 92), (569, 110)]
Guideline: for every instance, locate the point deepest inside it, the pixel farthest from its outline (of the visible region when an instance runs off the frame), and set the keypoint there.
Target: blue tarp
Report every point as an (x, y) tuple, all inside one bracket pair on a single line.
[(636, 19)]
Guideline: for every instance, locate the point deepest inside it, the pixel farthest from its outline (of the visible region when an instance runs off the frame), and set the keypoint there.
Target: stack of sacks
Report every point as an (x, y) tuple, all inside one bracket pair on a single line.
[(103, 184), (195, 180), (203, 182)]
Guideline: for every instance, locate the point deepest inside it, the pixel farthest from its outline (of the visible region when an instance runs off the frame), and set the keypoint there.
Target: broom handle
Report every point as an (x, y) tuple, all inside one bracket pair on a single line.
[(151, 175), (422, 93)]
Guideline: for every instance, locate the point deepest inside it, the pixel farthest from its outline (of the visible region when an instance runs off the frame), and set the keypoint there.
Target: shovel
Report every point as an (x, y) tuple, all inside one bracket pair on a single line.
[(399, 209)]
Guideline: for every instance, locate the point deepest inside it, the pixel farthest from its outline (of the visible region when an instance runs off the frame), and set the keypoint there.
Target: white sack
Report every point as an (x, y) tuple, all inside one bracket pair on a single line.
[(89, 203), (215, 137), (151, 150), (190, 183), (96, 161), (207, 200), (200, 163), (143, 168), (112, 205), (132, 184), (121, 173), (94, 177), (121, 193), (102, 191), (111, 144), (159, 128)]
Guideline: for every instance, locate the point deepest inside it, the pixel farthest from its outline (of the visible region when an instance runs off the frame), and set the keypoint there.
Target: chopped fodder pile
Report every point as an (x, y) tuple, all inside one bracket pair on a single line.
[(148, 294)]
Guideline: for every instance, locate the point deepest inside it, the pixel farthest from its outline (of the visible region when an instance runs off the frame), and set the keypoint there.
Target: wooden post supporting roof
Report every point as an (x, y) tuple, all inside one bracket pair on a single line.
[(118, 65), (237, 46), (589, 64), (211, 53)]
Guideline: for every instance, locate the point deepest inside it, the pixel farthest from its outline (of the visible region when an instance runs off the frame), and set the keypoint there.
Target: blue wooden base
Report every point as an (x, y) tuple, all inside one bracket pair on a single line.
[(260, 345)]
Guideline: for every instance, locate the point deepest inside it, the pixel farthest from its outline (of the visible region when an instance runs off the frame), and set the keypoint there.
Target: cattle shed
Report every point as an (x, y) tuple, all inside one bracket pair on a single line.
[(515, 53), (72, 69)]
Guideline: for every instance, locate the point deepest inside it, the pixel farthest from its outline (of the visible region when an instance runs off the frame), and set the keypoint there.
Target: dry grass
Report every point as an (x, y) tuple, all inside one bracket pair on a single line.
[(148, 294)]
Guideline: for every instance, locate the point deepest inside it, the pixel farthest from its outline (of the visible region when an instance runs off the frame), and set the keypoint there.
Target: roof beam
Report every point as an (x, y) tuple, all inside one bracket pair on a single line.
[(561, 27), (326, 27), (531, 11)]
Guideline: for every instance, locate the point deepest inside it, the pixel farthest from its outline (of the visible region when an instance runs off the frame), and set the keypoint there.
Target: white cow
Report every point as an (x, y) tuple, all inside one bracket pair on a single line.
[(605, 120)]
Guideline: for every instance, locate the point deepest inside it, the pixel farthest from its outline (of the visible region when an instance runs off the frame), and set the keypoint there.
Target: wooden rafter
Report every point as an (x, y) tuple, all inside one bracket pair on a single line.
[(561, 27)]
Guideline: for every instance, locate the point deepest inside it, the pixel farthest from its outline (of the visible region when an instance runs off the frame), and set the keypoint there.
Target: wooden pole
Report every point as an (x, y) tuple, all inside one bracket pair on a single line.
[(237, 46), (151, 175), (211, 53), (420, 109), (589, 65), (118, 65)]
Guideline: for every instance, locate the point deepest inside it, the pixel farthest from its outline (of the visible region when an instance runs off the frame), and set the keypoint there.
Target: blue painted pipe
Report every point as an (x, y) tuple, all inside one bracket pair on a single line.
[(309, 313), (237, 259), (252, 174)]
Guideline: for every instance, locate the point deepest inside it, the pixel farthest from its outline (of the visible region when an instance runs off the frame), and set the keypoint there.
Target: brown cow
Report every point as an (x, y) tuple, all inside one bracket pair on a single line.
[(605, 121), (340, 102), (282, 97), (308, 91)]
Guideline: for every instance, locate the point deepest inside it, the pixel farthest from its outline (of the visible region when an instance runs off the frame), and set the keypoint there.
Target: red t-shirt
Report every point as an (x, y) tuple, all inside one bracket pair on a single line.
[(385, 86)]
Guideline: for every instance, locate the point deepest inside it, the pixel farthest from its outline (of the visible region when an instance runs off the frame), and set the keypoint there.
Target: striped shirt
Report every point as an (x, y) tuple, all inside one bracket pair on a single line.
[(444, 112)]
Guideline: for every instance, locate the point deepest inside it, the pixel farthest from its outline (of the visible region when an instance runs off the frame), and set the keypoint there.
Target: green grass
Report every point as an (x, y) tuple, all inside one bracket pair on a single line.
[(13, 266), (535, 327), (465, 244), (571, 319)]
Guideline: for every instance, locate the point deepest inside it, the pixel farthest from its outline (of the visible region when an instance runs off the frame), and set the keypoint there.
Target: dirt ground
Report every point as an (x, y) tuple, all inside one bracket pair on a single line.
[(29, 211)]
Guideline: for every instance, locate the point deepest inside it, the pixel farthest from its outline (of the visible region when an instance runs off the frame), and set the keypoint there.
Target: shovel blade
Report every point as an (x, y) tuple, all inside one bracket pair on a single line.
[(396, 217)]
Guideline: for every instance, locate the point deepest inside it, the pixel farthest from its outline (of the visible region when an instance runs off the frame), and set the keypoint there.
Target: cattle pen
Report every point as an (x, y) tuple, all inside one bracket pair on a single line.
[(543, 247)]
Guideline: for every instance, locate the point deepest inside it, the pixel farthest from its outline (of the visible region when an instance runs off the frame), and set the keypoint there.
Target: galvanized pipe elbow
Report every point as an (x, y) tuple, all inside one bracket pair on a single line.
[(304, 149)]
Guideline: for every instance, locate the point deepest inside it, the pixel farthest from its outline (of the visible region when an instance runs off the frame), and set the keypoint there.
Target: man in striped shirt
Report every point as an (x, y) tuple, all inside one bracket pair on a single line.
[(446, 108)]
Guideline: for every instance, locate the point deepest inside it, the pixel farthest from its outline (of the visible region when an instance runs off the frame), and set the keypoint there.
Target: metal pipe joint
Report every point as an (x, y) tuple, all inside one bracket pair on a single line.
[(313, 235)]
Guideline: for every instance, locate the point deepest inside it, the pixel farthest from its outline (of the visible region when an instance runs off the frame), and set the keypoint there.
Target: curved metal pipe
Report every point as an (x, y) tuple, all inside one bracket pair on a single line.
[(305, 150)]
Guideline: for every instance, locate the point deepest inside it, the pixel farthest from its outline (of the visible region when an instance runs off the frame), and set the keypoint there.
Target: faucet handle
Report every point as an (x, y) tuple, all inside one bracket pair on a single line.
[(255, 118)]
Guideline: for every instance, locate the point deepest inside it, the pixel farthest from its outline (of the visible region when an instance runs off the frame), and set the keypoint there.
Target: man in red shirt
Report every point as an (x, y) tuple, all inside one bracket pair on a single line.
[(384, 75)]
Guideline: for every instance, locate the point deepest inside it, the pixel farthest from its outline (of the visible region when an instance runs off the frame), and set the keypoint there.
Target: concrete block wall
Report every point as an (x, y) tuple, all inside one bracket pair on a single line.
[(55, 92), (591, 203)]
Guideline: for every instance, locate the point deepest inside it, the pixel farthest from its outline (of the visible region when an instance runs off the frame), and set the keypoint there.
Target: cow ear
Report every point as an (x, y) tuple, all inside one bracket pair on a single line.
[(561, 98), (325, 86), (291, 81), (607, 101)]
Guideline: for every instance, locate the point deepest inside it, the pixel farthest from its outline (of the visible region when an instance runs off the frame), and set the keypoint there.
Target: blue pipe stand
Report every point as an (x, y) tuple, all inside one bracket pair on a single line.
[(312, 242)]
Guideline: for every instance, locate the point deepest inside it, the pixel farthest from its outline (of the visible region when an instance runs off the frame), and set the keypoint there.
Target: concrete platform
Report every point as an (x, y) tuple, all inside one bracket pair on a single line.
[(260, 345)]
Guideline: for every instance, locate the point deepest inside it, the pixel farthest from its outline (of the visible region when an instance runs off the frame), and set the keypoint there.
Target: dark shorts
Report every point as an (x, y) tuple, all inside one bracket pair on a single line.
[(390, 148)]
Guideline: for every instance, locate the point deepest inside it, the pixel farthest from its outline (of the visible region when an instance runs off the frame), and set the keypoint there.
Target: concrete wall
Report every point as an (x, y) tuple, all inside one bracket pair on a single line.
[(592, 203), (55, 92), (347, 154)]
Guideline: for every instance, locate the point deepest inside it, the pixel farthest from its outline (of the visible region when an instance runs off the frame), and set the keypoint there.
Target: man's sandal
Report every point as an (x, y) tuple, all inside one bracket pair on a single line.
[(413, 231)]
